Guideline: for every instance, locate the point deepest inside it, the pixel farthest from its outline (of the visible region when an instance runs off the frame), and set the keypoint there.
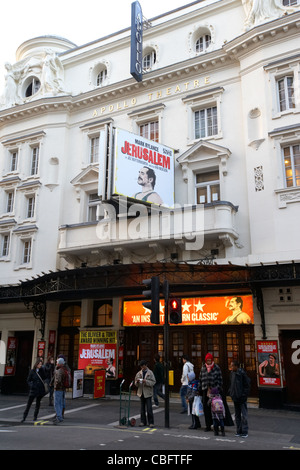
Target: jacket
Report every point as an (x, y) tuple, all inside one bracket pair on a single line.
[(239, 386), (145, 389), (59, 374), (159, 372), (188, 367), (35, 383), (210, 379)]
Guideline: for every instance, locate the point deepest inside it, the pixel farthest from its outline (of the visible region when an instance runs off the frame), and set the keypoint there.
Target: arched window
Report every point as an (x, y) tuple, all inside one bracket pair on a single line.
[(203, 43), (101, 77), (32, 86), (149, 60)]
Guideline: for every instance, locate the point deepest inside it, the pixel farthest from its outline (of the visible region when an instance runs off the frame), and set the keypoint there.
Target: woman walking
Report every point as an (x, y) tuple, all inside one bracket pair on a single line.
[(35, 382)]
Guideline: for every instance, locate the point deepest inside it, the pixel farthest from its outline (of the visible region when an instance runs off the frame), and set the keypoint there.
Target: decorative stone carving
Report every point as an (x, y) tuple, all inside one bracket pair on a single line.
[(261, 11), (44, 66)]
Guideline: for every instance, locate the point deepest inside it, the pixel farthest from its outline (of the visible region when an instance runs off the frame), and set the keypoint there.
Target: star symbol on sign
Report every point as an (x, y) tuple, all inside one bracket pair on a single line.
[(186, 307), (161, 308), (199, 306), (147, 310)]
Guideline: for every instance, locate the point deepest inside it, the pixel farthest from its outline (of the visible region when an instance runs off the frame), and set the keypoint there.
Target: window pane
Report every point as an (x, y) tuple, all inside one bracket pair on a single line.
[(206, 122), (150, 131)]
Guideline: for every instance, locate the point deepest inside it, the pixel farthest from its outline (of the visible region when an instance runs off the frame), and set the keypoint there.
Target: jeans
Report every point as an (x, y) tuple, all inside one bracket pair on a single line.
[(157, 390), (241, 417), (183, 392), (59, 403)]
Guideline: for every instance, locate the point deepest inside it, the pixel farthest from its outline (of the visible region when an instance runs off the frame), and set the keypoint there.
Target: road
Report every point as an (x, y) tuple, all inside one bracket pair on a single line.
[(94, 425)]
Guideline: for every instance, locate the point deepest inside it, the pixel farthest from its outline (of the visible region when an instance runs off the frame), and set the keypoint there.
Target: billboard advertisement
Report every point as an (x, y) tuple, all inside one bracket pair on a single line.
[(98, 350), (268, 364), (143, 169), (229, 310)]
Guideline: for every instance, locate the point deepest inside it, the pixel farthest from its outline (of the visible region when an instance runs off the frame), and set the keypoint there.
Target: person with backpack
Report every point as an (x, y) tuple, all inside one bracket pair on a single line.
[(67, 380), (217, 410), (59, 390), (239, 391), (187, 368)]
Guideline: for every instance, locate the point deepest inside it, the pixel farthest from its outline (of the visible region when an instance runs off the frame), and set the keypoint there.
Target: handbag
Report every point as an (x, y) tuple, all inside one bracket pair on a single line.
[(46, 386)]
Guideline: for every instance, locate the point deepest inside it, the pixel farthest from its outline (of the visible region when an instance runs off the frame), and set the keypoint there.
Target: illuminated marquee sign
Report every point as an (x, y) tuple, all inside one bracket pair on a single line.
[(136, 62), (230, 310)]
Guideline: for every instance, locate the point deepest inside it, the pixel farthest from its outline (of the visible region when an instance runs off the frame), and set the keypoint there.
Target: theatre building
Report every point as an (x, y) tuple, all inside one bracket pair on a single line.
[(182, 164)]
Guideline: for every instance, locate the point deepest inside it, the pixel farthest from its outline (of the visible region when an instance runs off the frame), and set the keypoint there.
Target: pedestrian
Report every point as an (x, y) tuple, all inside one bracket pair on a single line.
[(35, 381), (158, 371), (210, 377), (217, 410), (144, 381), (239, 391), (49, 373), (187, 367), (59, 390), (67, 371), (192, 392)]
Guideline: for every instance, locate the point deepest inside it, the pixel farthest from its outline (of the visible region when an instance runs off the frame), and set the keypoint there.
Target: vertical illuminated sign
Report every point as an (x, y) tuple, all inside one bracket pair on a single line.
[(136, 61)]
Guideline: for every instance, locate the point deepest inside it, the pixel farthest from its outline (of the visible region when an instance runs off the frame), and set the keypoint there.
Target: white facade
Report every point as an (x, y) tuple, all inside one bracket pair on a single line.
[(232, 59)]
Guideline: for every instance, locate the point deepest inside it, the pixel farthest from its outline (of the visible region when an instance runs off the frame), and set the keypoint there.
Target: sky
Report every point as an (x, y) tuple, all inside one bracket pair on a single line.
[(76, 20)]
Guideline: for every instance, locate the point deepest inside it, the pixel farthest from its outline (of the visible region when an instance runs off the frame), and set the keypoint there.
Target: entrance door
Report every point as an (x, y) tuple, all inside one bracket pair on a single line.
[(290, 341), (23, 361)]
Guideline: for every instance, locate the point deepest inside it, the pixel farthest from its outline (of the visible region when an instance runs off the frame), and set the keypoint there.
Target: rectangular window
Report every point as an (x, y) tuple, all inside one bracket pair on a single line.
[(291, 155), (13, 161), (208, 187), (150, 131), (10, 201), (5, 242), (206, 122), (34, 161), (285, 88), (26, 256), (94, 149), (93, 203), (30, 207)]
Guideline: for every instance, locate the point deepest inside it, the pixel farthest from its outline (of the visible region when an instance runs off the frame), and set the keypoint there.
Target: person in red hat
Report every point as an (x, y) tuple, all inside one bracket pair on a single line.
[(210, 377)]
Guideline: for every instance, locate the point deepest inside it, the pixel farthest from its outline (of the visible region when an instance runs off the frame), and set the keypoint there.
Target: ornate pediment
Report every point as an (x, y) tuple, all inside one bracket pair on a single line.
[(204, 151)]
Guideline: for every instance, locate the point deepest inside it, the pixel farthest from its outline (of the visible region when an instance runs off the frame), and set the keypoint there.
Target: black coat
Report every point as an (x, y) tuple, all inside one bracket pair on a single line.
[(36, 386)]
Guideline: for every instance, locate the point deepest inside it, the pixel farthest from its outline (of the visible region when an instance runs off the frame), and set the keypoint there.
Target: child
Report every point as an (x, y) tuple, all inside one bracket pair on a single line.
[(217, 410), (192, 391)]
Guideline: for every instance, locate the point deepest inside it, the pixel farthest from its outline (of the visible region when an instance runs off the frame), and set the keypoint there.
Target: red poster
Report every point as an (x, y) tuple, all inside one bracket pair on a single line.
[(41, 349), (99, 384), (230, 310), (268, 364), (11, 356)]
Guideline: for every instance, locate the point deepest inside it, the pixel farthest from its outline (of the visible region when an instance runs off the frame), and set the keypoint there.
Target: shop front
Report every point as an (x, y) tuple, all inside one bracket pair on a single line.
[(217, 324)]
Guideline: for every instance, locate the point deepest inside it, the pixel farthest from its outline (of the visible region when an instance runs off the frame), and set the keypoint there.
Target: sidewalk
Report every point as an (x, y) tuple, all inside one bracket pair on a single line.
[(90, 412)]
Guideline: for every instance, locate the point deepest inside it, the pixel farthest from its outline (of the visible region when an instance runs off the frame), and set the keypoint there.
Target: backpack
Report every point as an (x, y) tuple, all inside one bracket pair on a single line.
[(67, 378), (217, 405)]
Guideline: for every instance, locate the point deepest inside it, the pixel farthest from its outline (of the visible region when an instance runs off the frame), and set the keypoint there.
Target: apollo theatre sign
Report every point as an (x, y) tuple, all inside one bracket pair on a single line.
[(136, 61)]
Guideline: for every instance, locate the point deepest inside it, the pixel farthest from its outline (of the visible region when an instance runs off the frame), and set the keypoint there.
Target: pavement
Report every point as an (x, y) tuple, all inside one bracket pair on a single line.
[(283, 425)]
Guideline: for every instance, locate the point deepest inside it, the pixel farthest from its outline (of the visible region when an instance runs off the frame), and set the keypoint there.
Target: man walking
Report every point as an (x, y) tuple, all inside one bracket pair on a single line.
[(239, 391), (158, 371)]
